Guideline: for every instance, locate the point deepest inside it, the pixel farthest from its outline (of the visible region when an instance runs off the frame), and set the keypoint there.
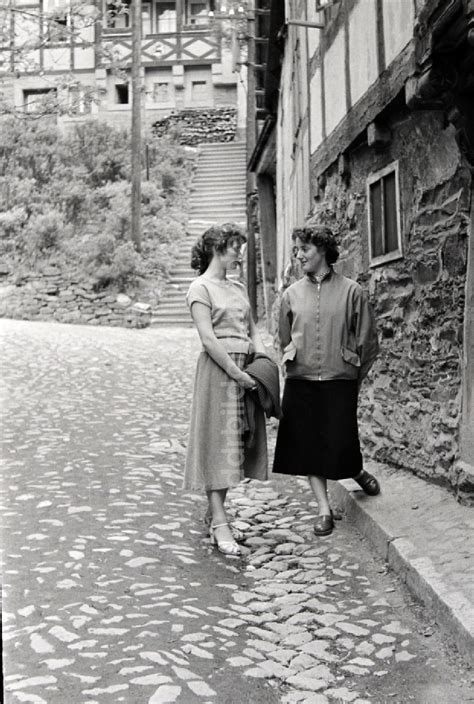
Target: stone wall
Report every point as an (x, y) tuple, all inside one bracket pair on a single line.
[(410, 406), (49, 296)]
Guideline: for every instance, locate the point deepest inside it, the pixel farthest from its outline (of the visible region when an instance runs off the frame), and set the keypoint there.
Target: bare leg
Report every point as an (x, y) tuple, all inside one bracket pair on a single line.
[(319, 487), (216, 499)]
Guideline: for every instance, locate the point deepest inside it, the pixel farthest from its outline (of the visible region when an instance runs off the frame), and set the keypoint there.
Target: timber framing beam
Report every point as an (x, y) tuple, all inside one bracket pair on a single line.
[(365, 111)]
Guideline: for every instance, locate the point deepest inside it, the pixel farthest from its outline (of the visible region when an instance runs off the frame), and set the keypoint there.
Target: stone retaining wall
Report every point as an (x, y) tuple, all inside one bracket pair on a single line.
[(49, 296)]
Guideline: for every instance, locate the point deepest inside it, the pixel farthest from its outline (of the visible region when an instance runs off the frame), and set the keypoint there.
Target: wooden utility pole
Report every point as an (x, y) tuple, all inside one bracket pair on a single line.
[(136, 9)]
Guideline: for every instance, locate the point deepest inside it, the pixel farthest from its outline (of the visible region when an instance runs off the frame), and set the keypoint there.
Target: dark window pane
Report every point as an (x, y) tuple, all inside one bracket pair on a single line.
[(121, 94), (376, 219), (391, 234)]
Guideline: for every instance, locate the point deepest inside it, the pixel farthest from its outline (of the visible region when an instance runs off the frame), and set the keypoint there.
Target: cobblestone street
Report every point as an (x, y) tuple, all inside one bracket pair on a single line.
[(112, 591)]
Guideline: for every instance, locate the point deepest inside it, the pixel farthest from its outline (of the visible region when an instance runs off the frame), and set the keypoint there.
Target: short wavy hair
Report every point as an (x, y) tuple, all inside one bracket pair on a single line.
[(322, 237), (215, 239)]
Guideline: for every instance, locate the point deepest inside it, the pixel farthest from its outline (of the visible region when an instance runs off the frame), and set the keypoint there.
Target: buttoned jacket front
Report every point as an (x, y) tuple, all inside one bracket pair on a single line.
[(327, 329)]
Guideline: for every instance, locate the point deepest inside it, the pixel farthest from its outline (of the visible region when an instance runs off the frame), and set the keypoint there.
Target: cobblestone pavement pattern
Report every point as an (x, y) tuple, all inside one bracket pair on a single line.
[(112, 591)]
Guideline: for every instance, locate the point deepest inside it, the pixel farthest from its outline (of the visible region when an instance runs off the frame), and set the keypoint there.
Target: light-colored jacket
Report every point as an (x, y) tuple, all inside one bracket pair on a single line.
[(327, 329)]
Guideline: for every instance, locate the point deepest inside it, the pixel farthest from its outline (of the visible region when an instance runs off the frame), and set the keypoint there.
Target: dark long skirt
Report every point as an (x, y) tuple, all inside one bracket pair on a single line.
[(318, 433)]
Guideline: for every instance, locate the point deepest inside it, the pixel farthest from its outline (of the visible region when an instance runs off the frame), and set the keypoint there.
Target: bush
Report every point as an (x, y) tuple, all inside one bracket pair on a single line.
[(43, 233), (12, 221), (53, 186)]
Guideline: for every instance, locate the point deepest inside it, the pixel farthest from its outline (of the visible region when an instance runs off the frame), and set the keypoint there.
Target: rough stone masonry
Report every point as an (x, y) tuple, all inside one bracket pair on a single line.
[(411, 404)]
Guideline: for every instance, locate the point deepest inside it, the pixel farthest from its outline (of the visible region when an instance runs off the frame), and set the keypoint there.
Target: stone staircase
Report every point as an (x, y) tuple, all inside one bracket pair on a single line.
[(218, 196)]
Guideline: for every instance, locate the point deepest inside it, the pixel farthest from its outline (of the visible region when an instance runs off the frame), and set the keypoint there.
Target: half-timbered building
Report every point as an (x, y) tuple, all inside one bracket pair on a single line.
[(369, 128), (81, 53)]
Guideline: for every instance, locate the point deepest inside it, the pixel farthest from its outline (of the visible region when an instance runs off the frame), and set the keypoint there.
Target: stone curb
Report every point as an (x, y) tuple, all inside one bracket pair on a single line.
[(452, 610)]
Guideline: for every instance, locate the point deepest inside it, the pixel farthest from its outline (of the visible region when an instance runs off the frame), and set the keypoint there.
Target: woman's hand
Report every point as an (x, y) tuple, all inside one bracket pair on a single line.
[(246, 381)]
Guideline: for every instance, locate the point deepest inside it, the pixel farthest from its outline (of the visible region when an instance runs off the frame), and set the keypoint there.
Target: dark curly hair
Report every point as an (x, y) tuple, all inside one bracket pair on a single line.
[(321, 236), (216, 239)]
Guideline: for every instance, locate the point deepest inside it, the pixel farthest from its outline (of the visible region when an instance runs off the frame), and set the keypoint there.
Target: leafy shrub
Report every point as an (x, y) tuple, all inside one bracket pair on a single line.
[(103, 151), (12, 221), (43, 232), (66, 198), (76, 202)]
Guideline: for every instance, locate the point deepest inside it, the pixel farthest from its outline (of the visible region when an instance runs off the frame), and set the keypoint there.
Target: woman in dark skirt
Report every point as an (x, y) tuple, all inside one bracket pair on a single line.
[(329, 342)]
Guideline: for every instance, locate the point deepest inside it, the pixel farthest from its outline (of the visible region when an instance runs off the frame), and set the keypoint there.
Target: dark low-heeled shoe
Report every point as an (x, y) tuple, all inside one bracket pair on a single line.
[(323, 525), (368, 483)]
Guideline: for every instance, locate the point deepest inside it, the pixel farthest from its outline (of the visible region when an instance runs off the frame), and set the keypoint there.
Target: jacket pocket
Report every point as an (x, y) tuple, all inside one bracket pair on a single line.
[(289, 353), (350, 357)]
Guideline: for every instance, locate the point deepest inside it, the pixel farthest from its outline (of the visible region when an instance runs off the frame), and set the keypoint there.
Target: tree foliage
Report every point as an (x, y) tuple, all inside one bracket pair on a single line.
[(66, 198)]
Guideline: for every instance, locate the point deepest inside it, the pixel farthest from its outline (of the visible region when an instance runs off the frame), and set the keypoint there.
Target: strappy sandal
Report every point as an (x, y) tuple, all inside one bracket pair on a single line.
[(237, 534), (368, 483), (323, 525), (229, 548)]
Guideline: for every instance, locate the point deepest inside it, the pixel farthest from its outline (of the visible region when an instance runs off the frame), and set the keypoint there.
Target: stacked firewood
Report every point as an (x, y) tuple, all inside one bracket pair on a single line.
[(197, 125)]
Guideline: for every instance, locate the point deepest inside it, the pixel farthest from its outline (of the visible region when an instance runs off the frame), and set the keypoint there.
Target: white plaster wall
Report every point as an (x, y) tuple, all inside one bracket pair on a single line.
[(363, 47), (299, 200), (280, 216), (316, 112), (87, 32), (84, 57), (307, 200), (313, 33), (242, 99), (398, 20), (303, 70), (335, 83), (159, 75), (57, 59)]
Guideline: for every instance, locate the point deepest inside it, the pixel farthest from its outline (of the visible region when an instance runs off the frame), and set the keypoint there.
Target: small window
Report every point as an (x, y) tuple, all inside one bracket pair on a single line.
[(161, 93), (121, 94), (199, 91), (146, 19), (197, 13), (383, 197), (165, 13), (40, 101), (79, 101), (57, 28), (119, 15)]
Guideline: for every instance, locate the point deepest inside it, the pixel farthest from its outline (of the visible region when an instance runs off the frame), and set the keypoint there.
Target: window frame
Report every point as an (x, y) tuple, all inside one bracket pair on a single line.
[(163, 103), (379, 175), (155, 18), (188, 15), (208, 96), (42, 95), (117, 89)]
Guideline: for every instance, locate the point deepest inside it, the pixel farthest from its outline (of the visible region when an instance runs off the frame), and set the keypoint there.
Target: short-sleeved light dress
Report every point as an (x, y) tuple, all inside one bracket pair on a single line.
[(217, 455)]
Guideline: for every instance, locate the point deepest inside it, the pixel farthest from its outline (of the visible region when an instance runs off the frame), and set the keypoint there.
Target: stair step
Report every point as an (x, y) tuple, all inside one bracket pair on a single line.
[(185, 280), (225, 168), (221, 216), (238, 149), (168, 298), (181, 270), (214, 204), (176, 311), (157, 322), (223, 186), (173, 314)]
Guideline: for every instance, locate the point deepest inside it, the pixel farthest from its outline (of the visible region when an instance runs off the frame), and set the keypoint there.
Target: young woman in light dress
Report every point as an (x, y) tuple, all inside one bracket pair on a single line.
[(217, 455)]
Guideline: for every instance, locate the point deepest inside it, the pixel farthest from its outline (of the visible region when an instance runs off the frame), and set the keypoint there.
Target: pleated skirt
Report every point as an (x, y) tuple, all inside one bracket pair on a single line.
[(318, 433), (217, 456)]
